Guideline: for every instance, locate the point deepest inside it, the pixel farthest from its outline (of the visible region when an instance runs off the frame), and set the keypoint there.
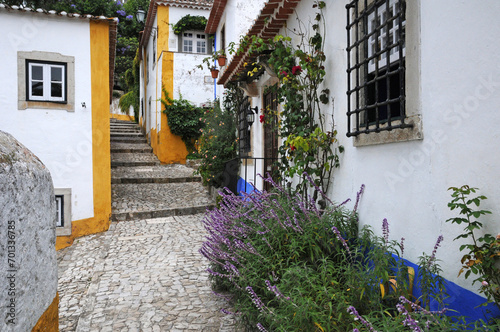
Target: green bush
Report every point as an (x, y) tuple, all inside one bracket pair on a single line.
[(218, 144), (184, 119), (290, 267)]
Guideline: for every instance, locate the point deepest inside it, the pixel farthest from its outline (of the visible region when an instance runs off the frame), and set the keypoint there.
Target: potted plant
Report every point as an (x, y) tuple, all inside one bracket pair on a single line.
[(214, 71), (221, 57)]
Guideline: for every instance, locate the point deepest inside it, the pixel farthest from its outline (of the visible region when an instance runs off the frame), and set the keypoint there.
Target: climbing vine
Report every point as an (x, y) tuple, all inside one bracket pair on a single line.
[(189, 22), (184, 119), (309, 138)]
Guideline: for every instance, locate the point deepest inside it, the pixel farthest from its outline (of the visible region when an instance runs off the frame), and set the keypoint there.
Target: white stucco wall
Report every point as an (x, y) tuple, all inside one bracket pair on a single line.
[(407, 182), (456, 92), (192, 83), (61, 139), (238, 17)]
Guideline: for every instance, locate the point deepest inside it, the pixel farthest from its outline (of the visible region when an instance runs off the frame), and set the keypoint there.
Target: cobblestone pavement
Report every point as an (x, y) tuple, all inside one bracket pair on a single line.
[(158, 196), (144, 275), (133, 158), (162, 171)]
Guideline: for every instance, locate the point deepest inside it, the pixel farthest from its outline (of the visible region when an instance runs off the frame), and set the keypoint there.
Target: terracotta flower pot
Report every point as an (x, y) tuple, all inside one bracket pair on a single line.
[(221, 60), (215, 73)]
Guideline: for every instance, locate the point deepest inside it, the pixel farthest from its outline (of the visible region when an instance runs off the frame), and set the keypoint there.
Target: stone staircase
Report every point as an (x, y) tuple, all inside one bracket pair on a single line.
[(142, 188)]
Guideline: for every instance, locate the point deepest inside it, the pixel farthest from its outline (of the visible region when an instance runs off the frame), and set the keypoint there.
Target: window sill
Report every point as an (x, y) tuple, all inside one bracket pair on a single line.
[(22, 105), (393, 136)]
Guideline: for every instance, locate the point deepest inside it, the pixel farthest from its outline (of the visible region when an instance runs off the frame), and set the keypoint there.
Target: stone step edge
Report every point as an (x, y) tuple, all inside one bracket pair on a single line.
[(134, 163), (182, 211), (128, 140), (155, 180), (131, 150)]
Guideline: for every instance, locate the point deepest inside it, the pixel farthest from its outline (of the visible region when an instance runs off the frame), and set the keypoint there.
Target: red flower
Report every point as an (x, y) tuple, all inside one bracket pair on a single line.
[(296, 70), (284, 73), (292, 147), (262, 118)]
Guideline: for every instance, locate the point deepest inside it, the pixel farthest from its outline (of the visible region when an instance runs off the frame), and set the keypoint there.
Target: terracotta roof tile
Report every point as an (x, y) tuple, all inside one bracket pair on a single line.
[(196, 4), (267, 25)]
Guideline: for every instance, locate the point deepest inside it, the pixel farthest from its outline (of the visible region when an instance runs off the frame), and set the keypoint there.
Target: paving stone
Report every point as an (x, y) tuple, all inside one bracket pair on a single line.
[(143, 274), (121, 262)]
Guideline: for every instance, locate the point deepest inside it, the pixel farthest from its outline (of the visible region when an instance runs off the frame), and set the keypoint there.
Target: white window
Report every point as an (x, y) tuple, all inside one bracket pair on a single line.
[(193, 42), (60, 210), (63, 211), (46, 81), (384, 35)]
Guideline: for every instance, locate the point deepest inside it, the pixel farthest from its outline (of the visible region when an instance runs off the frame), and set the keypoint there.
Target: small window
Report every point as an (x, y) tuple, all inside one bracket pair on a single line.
[(46, 81), (193, 42), (154, 49), (244, 128), (59, 210), (376, 66), (63, 211)]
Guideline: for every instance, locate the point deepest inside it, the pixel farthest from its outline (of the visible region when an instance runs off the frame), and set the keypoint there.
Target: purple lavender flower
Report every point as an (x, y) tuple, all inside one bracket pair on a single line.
[(256, 299), (402, 245), (341, 239), (354, 312), (358, 197), (385, 230), (261, 328), (73, 6), (275, 290), (121, 12), (418, 308), (129, 17), (436, 246), (408, 321)]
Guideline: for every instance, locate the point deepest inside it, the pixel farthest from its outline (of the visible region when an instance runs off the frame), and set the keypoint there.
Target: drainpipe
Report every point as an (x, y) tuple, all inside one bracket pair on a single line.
[(215, 63)]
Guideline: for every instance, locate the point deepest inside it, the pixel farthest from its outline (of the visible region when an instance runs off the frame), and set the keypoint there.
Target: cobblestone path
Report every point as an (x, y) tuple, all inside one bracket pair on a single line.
[(145, 273)]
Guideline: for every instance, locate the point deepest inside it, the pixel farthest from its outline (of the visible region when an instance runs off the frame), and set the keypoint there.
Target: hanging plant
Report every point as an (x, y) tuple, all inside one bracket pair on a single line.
[(189, 22)]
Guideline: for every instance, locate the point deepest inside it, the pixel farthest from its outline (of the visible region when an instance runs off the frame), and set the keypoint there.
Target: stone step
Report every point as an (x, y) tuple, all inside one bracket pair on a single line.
[(157, 200), (127, 216), (130, 148), (155, 174), (130, 140), (154, 180), (116, 135), (133, 159)]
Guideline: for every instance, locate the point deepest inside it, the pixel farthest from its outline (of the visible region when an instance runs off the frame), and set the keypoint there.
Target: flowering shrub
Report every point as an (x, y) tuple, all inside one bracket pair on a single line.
[(300, 67), (291, 267), (218, 142)]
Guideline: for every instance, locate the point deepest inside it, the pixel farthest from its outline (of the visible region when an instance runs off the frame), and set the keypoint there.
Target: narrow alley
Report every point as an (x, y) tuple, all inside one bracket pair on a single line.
[(145, 273)]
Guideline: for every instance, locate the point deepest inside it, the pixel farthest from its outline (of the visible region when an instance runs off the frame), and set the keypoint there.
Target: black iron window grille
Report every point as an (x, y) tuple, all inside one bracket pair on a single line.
[(375, 66), (244, 128)]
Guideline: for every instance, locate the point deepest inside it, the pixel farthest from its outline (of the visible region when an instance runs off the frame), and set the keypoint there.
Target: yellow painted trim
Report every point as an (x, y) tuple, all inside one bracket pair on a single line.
[(171, 148), (49, 321), (101, 158), (123, 117)]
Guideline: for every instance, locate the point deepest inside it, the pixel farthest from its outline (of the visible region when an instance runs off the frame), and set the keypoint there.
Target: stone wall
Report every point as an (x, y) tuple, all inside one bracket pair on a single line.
[(28, 266)]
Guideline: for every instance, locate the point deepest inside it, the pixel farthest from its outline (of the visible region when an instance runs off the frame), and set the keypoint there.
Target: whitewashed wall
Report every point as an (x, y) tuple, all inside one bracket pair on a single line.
[(192, 83), (459, 97), (61, 139)]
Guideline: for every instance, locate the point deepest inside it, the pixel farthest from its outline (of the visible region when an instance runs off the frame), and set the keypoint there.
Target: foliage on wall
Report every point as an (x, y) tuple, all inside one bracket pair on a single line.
[(189, 22), (184, 119), (310, 143)]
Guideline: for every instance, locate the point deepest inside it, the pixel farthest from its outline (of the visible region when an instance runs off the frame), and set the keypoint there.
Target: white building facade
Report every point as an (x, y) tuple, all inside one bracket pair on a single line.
[(55, 98), (169, 61), (434, 128)]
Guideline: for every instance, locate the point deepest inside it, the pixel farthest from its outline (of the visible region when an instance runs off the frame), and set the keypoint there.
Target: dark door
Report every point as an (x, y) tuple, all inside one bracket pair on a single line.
[(270, 137)]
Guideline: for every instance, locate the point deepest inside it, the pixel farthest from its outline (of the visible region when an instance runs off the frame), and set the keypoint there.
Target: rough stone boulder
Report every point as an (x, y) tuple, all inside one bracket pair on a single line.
[(28, 266)]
